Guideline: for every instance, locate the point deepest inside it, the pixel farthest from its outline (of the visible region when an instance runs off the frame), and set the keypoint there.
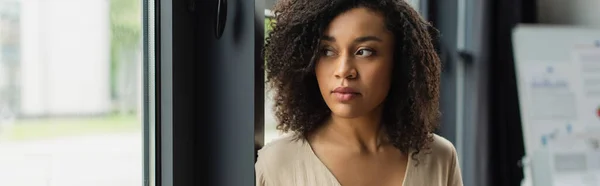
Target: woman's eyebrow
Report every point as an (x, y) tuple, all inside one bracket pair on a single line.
[(367, 38), (357, 40), (328, 38)]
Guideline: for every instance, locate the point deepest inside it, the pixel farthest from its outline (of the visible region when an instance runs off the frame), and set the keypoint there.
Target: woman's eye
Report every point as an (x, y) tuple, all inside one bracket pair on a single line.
[(327, 52), (364, 52)]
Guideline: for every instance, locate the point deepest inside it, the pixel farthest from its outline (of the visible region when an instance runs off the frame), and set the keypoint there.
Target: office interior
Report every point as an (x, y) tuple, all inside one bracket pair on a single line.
[(170, 93)]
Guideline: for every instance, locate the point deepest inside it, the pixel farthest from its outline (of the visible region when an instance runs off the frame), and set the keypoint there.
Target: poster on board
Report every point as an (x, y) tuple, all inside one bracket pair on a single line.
[(558, 79)]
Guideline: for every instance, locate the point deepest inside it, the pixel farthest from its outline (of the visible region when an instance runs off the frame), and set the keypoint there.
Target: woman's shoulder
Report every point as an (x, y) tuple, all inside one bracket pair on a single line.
[(442, 147), (437, 164), (290, 160), (280, 159), (282, 151), (440, 152), (283, 145)]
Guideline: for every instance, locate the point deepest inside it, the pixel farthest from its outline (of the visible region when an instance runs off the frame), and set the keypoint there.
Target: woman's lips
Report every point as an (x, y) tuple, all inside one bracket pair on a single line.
[(343, 97), (344, 94)]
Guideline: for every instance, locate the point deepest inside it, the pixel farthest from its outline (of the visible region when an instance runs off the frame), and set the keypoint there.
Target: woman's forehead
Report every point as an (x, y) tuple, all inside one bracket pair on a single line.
[(357, 22)]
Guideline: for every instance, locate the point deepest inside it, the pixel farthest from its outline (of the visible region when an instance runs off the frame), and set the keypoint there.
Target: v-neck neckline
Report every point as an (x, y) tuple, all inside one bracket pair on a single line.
[(318, 160)]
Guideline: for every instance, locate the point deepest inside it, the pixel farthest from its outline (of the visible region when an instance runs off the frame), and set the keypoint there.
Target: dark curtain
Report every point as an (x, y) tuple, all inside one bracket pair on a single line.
[(506, 146)]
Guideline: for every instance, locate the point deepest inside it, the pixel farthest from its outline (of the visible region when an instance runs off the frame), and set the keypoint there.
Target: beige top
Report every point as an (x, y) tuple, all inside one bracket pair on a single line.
[(288, 162)]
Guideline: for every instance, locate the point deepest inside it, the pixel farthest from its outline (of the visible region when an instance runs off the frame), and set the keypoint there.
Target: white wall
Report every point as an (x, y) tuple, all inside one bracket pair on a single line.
[(65, 57), (571, 12)]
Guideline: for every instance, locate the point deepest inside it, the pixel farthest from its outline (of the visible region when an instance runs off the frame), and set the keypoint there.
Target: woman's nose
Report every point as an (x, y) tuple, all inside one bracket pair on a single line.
[(345, 69)]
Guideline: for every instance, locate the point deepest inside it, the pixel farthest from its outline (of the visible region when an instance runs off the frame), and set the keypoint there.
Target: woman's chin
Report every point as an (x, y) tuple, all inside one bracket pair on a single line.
[(346, 111)]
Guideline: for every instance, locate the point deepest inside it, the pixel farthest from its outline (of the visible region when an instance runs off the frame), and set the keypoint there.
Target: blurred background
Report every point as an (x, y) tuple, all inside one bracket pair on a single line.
[(71, 90)]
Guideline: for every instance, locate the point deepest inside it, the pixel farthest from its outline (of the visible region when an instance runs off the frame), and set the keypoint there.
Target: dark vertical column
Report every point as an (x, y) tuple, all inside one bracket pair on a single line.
[(229, 98)]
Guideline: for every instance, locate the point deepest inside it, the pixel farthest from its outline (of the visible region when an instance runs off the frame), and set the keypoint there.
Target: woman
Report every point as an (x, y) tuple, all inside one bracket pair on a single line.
[(357, 88)]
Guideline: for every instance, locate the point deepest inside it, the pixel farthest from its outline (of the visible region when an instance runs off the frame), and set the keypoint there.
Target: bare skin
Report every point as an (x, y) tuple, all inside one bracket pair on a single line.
[(357, 53)]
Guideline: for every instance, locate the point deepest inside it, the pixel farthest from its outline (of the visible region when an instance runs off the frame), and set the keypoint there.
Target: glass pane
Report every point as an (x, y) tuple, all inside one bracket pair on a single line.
[(70, 93)]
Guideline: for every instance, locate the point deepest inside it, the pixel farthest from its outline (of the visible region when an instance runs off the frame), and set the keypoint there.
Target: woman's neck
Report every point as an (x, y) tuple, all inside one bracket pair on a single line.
[(363, 134)]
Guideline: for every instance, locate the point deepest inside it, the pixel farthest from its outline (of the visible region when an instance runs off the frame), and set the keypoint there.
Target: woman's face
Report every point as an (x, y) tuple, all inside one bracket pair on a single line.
[(355, 64)]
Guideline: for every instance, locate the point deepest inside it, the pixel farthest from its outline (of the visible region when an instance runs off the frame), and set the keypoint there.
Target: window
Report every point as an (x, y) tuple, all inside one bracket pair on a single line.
[(70, 92)]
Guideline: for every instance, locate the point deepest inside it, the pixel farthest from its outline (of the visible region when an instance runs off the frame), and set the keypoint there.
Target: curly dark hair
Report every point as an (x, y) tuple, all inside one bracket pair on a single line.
[(411, 109)]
